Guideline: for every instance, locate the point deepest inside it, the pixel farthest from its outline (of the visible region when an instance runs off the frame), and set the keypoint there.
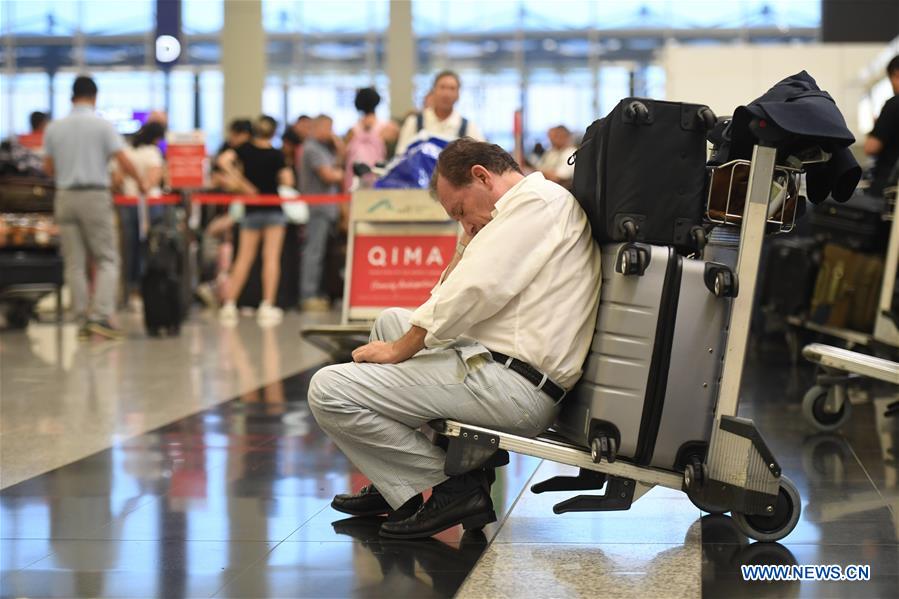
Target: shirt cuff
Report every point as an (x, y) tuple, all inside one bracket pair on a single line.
[(423, 318)]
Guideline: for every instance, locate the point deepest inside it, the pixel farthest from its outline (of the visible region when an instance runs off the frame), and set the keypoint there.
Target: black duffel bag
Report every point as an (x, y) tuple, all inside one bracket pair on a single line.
[(640, 173)]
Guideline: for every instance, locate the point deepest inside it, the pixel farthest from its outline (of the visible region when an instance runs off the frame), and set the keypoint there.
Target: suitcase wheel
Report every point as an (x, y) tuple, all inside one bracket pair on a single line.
[(632, 260), (720, 280), (636, 111), (708, 118), (603, 446)]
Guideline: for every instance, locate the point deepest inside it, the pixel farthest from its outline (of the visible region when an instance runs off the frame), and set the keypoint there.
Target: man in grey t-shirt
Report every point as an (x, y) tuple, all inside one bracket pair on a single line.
[(78, 149), (319, 174)]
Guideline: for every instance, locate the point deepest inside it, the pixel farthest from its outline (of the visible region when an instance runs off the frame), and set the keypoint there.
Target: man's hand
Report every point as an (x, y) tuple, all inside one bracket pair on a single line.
[(376, 352), (382, 352)]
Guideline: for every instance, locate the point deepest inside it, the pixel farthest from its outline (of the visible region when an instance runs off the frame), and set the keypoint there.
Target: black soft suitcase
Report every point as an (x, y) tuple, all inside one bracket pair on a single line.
[(856, 224), (162, 282), (640, 173)]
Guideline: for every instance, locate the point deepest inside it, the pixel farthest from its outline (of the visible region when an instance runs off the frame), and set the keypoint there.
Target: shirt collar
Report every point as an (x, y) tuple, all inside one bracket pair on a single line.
[(79, 108), (430, 114), (506, 197)]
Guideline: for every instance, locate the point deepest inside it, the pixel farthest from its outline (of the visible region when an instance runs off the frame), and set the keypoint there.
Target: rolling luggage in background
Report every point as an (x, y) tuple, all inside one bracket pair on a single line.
[(856, 224), (650, 381), (847, 289), (162, 282), (867, 281), (789, 277), (640, 173)]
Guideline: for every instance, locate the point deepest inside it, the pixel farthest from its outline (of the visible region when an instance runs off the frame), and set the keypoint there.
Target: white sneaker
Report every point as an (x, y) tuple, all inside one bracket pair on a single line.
[(228, 315), (269, 315)]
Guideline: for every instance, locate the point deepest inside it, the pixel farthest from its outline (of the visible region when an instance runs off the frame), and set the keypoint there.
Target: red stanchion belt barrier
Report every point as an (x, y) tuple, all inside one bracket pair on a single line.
[(164, 200), (229, 198), (267, 200)]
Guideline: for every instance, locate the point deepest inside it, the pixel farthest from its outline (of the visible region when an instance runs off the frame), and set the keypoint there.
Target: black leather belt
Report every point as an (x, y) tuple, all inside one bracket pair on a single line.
[(531, 374), (86, 188)]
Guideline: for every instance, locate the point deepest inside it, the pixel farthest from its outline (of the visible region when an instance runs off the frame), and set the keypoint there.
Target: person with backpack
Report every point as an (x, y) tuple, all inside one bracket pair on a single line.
[(440, 118)]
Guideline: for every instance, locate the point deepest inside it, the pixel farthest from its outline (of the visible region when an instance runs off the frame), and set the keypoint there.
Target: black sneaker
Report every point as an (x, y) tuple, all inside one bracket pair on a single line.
[(84, 332), (103, 328)]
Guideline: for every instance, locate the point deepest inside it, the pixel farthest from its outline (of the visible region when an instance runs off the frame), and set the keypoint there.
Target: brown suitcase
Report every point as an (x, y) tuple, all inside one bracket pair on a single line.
[(868, 276), (847, 289)]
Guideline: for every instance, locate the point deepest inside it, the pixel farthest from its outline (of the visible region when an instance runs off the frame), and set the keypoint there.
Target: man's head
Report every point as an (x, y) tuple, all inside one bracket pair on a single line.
[(239, 132), (303, 126), (38, 121), (322, 128), (559, 137), (264, 127), (289, 141), (470, 177), (84, 90), (893, 73), (445, 91)]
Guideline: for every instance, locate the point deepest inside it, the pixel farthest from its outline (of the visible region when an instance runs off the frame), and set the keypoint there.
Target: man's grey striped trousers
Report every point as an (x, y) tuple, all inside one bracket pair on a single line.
[(373, 412)]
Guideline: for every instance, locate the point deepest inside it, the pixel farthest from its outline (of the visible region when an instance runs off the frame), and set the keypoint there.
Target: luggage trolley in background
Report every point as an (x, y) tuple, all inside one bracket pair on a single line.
[(737, 473), (826, 404)]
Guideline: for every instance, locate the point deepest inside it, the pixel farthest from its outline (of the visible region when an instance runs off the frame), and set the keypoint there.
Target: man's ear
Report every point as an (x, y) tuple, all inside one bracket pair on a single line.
[(479, 173)]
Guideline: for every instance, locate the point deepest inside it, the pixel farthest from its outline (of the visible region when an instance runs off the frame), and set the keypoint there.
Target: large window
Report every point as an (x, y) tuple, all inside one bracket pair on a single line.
[(333, 16)]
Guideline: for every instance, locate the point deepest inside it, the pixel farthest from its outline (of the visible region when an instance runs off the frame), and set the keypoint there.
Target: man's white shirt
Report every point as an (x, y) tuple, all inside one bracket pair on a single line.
[(527, 284)]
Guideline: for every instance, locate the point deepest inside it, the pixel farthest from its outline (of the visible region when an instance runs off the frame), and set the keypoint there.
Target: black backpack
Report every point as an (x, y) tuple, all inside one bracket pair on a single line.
[(640, 173)]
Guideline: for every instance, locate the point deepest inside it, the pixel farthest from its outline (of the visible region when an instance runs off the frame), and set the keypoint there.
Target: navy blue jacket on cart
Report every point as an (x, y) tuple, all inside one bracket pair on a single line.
[(810, 117)]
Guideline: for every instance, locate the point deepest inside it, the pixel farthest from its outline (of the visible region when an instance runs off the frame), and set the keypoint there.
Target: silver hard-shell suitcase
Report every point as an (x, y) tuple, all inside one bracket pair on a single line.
[(650, 379)]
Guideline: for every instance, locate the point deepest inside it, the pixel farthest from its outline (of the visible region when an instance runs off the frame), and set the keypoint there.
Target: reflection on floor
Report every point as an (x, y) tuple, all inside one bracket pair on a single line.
[(233, 502)]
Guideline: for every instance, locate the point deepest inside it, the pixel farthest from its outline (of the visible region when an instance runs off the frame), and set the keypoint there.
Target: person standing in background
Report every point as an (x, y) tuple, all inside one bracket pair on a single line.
[(367, 141), (145, 155), (264, 171), (38, 121), (240, 131), (883, 141), (78, 148), (439, 117), (554, 161), (319, 174), (290, 141), (303, 128)]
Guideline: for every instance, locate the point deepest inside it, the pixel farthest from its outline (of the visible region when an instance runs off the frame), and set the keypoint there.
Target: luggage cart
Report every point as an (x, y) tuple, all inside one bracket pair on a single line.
[(738, 474), (826, 404)]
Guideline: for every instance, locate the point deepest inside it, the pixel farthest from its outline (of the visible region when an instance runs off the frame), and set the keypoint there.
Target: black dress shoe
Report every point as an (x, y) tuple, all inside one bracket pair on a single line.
[(369, 502), (472, 508)]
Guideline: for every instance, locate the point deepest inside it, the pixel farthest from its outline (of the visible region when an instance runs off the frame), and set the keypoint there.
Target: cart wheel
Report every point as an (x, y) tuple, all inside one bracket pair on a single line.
[(813, 404), (782, 519)]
